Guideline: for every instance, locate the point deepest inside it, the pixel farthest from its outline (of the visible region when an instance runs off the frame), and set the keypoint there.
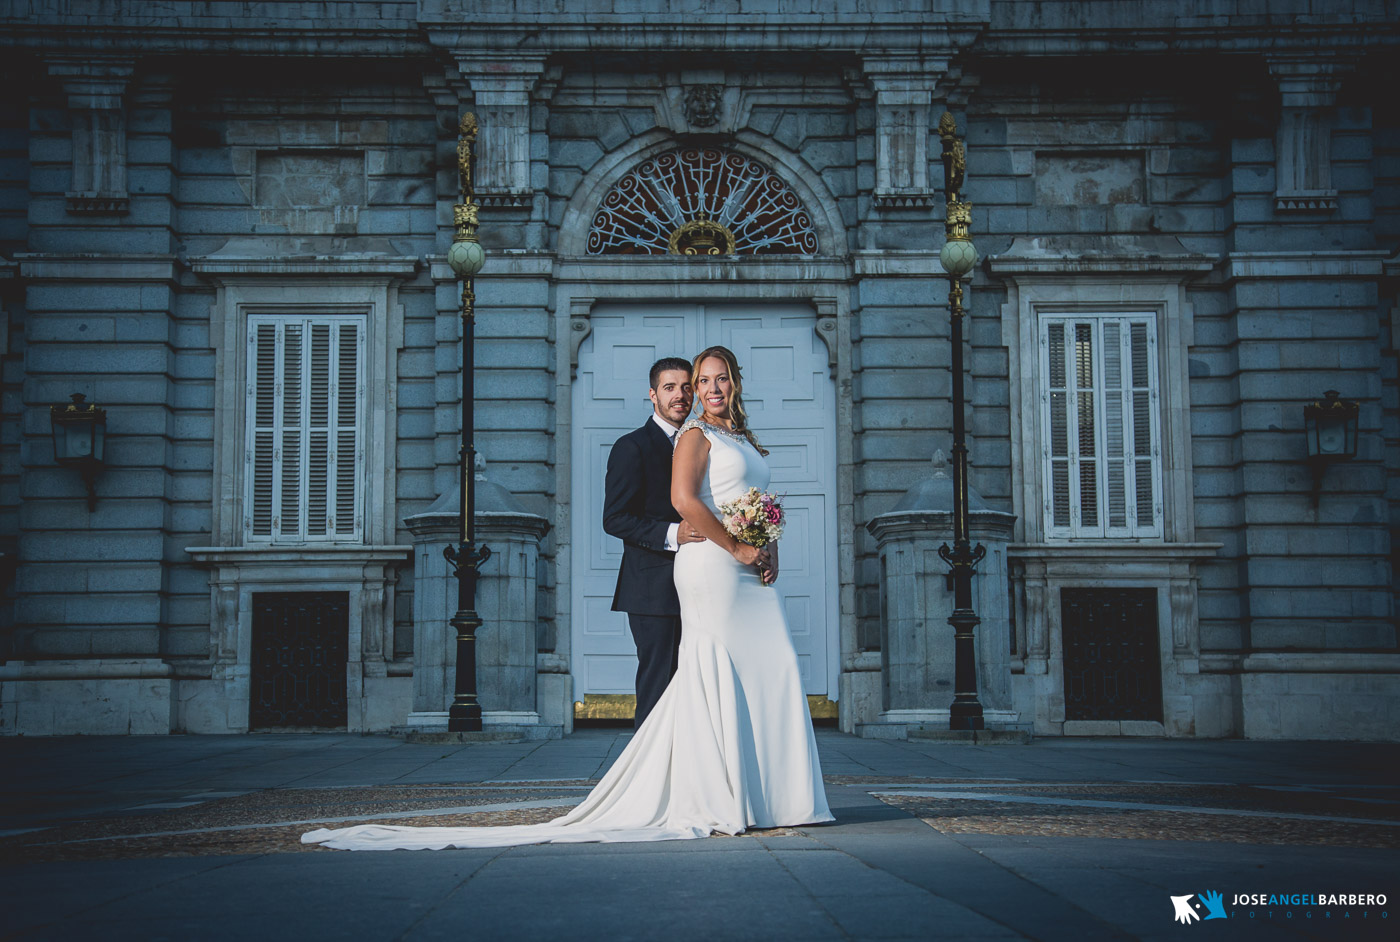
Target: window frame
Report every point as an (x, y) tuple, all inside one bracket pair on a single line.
[(308, 319), (1069, 284), (329, 285), (1104, 529)]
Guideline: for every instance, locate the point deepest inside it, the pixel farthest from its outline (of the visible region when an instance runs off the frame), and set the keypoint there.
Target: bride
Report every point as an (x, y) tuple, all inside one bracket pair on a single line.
[(729, 745)]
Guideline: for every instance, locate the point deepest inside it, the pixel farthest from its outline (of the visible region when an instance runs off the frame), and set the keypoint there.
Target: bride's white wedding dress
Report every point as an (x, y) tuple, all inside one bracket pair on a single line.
[(729, 745)]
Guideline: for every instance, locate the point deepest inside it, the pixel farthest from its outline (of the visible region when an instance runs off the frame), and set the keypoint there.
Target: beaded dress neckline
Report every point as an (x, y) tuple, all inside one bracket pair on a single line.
[(703, 425)]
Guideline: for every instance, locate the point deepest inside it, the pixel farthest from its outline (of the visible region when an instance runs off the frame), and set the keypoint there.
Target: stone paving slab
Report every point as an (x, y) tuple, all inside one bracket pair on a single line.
[(1073, 840)]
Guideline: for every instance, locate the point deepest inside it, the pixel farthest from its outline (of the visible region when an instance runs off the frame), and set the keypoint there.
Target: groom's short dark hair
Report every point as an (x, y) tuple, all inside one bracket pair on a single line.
[(667, 363)]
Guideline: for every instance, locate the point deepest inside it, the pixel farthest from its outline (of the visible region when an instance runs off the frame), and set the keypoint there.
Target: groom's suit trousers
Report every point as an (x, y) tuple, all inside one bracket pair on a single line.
[(637, 510), (658, 639)]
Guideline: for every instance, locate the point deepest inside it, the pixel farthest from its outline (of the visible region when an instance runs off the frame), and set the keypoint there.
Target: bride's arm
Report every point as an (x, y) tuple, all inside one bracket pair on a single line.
[(687, 471)]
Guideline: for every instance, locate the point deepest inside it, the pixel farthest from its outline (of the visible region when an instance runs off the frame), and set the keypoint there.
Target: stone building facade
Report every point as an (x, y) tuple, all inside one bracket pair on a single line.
[(224, 223)]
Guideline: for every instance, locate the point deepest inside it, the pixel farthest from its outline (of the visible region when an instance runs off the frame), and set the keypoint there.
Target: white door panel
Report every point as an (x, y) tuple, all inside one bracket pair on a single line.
[(792, 408)]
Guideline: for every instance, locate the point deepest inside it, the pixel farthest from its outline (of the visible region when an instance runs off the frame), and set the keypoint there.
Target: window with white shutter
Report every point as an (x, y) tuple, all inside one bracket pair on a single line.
[(305, 457), (1100, 429)]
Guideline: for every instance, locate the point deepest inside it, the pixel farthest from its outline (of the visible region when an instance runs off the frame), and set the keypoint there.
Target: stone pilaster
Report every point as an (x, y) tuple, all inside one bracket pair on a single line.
[(96, 90), (1303, 149), (502, 87), (904, 88)]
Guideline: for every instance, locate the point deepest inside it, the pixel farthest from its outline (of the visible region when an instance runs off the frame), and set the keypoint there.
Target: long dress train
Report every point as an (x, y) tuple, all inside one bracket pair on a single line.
[(728, 746)]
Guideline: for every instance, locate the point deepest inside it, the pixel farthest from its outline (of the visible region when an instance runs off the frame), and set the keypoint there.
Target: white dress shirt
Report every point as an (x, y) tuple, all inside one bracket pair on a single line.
[(672, 531)]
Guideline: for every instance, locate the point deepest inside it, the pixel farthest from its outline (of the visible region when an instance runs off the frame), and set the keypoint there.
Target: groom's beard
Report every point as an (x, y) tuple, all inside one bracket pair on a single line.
[(677, 410)]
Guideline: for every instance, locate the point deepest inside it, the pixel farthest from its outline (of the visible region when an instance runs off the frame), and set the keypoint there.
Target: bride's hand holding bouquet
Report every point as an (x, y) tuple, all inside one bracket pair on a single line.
[(756, 520)]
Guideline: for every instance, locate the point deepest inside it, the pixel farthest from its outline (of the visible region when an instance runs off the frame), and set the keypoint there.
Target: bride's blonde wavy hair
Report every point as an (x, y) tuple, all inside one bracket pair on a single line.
[(736, 390)]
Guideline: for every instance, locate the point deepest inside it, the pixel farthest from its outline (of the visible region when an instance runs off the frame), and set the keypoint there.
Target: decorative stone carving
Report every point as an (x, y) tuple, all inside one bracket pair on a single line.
[(703, 105), (502, 88), (372, 625), (580, 326), (1303, 148), (96, 89), (226, 622), (825, 328)]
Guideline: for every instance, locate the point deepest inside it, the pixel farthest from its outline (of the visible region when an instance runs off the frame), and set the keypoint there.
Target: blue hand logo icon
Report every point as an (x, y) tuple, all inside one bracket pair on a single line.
[(1213, 904)]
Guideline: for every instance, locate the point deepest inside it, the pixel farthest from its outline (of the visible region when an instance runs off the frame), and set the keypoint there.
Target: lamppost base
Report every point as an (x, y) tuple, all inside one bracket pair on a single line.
[(965, 716), (465, 720)]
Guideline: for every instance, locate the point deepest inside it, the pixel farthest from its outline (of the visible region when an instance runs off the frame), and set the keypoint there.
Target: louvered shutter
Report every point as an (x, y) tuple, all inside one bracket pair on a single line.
[(306, 394), (346, 458), (318, 452), (262, 412), (1101, 440)]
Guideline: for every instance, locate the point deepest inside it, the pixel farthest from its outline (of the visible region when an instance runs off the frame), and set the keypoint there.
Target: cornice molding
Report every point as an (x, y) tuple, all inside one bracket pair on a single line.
[(219, 267), (43, 266), (1079, 255), (1366, 263), (542, 27)]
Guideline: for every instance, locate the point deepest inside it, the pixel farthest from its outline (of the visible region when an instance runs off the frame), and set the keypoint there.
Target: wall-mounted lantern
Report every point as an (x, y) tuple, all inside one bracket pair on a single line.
[(1331, 428), (79, 437)]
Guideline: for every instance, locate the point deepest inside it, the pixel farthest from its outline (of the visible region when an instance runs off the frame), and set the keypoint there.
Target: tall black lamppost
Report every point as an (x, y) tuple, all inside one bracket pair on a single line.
[(466, 258), (957, 257)]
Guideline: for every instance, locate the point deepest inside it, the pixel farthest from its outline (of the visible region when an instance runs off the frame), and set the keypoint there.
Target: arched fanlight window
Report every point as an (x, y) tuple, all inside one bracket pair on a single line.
[(701, 201)]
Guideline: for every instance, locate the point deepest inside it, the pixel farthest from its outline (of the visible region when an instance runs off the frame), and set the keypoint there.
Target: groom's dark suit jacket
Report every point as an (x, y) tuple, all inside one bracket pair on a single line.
[(637, 510)]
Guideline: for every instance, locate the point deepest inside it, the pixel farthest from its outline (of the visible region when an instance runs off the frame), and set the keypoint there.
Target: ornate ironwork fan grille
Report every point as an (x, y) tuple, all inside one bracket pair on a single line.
[(701, 201)]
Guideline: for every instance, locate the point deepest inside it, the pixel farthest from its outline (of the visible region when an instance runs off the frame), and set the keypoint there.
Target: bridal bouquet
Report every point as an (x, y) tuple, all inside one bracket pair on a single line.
[(755, 518)]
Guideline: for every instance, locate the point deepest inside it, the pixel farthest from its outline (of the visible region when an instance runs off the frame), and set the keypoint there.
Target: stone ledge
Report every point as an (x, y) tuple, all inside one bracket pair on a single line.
[(1320, 202), (86, 669), (1071, 255), (1326, 266), (440, 737), (979, 737), (45, 266), (1096, 552), (307, 553), (1301, 662), (367, 264), (499, 264), (1000, 734)]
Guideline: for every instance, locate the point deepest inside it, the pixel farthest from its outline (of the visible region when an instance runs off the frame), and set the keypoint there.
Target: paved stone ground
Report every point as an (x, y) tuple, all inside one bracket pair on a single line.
[(198, 838)]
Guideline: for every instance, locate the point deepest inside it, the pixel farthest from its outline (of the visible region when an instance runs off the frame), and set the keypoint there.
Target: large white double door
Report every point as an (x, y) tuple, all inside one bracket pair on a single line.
[(791, 401)]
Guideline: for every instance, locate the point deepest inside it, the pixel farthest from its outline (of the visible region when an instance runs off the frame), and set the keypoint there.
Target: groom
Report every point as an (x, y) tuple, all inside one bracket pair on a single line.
[(637, 510)]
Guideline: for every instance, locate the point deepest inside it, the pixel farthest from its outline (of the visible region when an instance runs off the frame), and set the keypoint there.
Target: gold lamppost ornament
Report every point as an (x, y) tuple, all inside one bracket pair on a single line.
[(958, 258), (466, 259)]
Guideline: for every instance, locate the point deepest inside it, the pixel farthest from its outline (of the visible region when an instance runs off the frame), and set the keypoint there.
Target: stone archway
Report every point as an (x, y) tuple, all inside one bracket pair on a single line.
[(701, 201), (786, 168)]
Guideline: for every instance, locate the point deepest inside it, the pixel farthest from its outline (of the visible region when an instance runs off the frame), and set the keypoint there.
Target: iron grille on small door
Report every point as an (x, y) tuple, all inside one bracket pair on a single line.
[(300, 649), (1112, 663)]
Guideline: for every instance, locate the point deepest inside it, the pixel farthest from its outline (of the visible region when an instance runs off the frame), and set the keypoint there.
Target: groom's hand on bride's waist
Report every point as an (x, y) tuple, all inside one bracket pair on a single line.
[(688, 534)]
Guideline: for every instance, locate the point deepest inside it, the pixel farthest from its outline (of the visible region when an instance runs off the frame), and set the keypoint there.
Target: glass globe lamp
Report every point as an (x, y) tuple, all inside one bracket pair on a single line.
[(466, 258), (957, 257)]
